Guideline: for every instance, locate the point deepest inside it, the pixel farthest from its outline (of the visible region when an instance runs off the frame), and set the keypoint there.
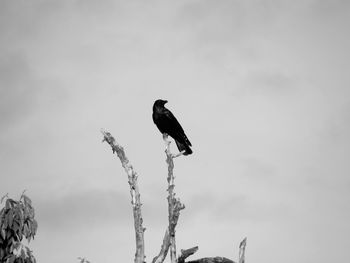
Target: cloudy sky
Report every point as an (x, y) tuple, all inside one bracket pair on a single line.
[(260, 87)]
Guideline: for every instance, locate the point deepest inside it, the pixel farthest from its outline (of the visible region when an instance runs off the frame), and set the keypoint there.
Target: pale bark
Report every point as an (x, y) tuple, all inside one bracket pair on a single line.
[(135, 195), (174, 208), (241, 256)]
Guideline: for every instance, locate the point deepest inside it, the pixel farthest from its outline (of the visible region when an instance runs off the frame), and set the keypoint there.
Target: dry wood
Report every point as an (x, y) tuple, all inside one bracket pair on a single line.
[(212, 260), (241, 257), (174, 208), (185, 253), (135, 195)]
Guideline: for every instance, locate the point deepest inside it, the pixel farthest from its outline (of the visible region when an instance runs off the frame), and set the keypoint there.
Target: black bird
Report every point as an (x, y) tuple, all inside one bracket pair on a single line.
[(168, 124)]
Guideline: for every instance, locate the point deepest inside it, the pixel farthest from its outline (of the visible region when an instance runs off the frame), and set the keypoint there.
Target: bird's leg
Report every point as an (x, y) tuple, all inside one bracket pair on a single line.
[(178, 154), (167, 142), (167, 145)]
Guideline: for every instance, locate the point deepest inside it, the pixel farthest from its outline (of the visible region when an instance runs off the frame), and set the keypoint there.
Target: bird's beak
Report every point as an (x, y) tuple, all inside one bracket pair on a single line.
[(165, 101)]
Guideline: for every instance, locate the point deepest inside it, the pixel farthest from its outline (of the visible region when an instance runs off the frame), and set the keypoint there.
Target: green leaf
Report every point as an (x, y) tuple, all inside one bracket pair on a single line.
[(10, 244), (15, 226), (26, 230), (11, 259), (2, 212), (10, 218), (8, 233), (3, 233), (21, 214), (5, 222), (23, 254), (16, 245), (5, 196), (27, 200), (8, 203), (34, 227)]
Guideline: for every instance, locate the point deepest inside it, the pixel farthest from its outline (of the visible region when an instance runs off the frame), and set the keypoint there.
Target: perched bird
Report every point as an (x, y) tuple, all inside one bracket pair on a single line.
[(168, 124)]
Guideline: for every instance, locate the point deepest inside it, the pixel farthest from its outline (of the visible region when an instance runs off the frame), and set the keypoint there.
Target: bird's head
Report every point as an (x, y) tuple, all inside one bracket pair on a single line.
[(160, 103)]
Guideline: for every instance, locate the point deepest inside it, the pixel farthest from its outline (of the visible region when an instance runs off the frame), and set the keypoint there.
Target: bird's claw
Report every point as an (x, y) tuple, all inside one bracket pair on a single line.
[(165, 138)]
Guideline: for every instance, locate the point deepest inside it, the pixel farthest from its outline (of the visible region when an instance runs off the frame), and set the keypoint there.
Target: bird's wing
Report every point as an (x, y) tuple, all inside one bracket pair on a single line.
[(174, 128)]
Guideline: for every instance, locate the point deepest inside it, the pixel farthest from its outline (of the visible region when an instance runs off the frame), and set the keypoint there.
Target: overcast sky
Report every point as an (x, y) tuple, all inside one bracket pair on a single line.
[(260, 87)]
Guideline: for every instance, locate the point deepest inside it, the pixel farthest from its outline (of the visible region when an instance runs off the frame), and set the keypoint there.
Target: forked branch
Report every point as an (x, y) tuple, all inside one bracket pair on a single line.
[(174, 208)]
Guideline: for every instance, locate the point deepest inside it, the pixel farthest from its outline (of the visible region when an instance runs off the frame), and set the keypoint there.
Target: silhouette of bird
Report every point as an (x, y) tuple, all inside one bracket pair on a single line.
[(168, 124)]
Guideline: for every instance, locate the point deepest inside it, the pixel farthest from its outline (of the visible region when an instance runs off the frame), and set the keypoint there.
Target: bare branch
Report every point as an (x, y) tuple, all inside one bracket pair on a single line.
[(174, 205), (188, 252), (241, 258), (185, 253), (164, 248), (212, 260), (135, 195), (174, 208), (171, 228)]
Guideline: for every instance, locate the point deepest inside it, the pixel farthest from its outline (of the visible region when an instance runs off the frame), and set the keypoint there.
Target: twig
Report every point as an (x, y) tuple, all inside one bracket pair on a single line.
[(241, 257), (135, 195)]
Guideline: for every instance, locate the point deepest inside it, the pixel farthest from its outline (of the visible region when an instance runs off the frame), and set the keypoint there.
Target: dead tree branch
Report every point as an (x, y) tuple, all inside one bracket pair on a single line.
[(174, 208), (185, 253), (241, 257), (167, 237), (174, 205), (188, 252), (135, 195), (164, 248), (212, 260)]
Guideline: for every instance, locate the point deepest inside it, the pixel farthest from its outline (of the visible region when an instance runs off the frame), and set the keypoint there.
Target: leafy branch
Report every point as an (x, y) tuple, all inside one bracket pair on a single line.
[(16, 222)]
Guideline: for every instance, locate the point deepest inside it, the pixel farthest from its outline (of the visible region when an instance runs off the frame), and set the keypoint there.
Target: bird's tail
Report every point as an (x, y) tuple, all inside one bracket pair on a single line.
[(183, 146)]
